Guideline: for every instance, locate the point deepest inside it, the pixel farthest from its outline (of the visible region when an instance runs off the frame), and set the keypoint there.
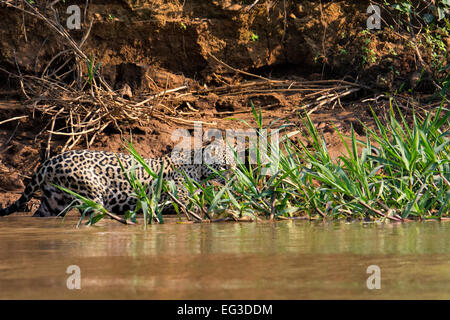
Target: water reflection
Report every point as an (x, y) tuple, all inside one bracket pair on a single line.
[(288, 260)]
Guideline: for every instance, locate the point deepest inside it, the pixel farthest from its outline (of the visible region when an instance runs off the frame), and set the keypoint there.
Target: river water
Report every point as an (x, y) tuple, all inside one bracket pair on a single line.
[(264, 260)]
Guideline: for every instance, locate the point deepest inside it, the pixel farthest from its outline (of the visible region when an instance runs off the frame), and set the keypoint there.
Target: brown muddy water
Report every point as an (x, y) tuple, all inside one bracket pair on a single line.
[(281, 260)]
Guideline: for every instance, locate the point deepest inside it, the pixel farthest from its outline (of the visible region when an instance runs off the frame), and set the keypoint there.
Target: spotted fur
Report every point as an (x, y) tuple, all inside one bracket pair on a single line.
[(97, 175)]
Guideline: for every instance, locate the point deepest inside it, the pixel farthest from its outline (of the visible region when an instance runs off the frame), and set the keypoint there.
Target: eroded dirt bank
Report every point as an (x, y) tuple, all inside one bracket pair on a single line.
[(165, 43), (150, 46)]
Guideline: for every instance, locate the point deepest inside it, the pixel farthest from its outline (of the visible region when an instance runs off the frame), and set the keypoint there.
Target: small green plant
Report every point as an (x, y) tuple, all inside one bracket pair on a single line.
[(368, 55), (365, 32), (183, 26), (404, 7), (393, 52), (254, 37), (92, 68)]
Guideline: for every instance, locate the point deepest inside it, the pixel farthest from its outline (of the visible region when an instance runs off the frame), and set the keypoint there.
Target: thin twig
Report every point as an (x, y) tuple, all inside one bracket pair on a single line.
[(12, 119), (237, 70)]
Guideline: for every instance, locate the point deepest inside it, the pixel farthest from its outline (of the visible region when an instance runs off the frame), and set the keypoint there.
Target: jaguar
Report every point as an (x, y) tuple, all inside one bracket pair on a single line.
[(98, 175)]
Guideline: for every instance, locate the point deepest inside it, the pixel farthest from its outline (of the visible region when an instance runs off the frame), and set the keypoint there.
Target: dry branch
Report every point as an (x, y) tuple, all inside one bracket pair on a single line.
[(12, 119)]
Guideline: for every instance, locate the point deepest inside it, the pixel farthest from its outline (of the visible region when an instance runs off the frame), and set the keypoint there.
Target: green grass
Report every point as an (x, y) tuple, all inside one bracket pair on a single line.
[(92, 68), (400, 171), (404, 176)]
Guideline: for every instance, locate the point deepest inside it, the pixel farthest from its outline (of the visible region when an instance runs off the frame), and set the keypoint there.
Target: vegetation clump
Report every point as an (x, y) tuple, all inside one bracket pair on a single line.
[(401, 171)]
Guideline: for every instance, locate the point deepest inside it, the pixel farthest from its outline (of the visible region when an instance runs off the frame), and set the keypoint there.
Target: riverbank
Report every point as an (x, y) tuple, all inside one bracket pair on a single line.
[(146, 69)]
